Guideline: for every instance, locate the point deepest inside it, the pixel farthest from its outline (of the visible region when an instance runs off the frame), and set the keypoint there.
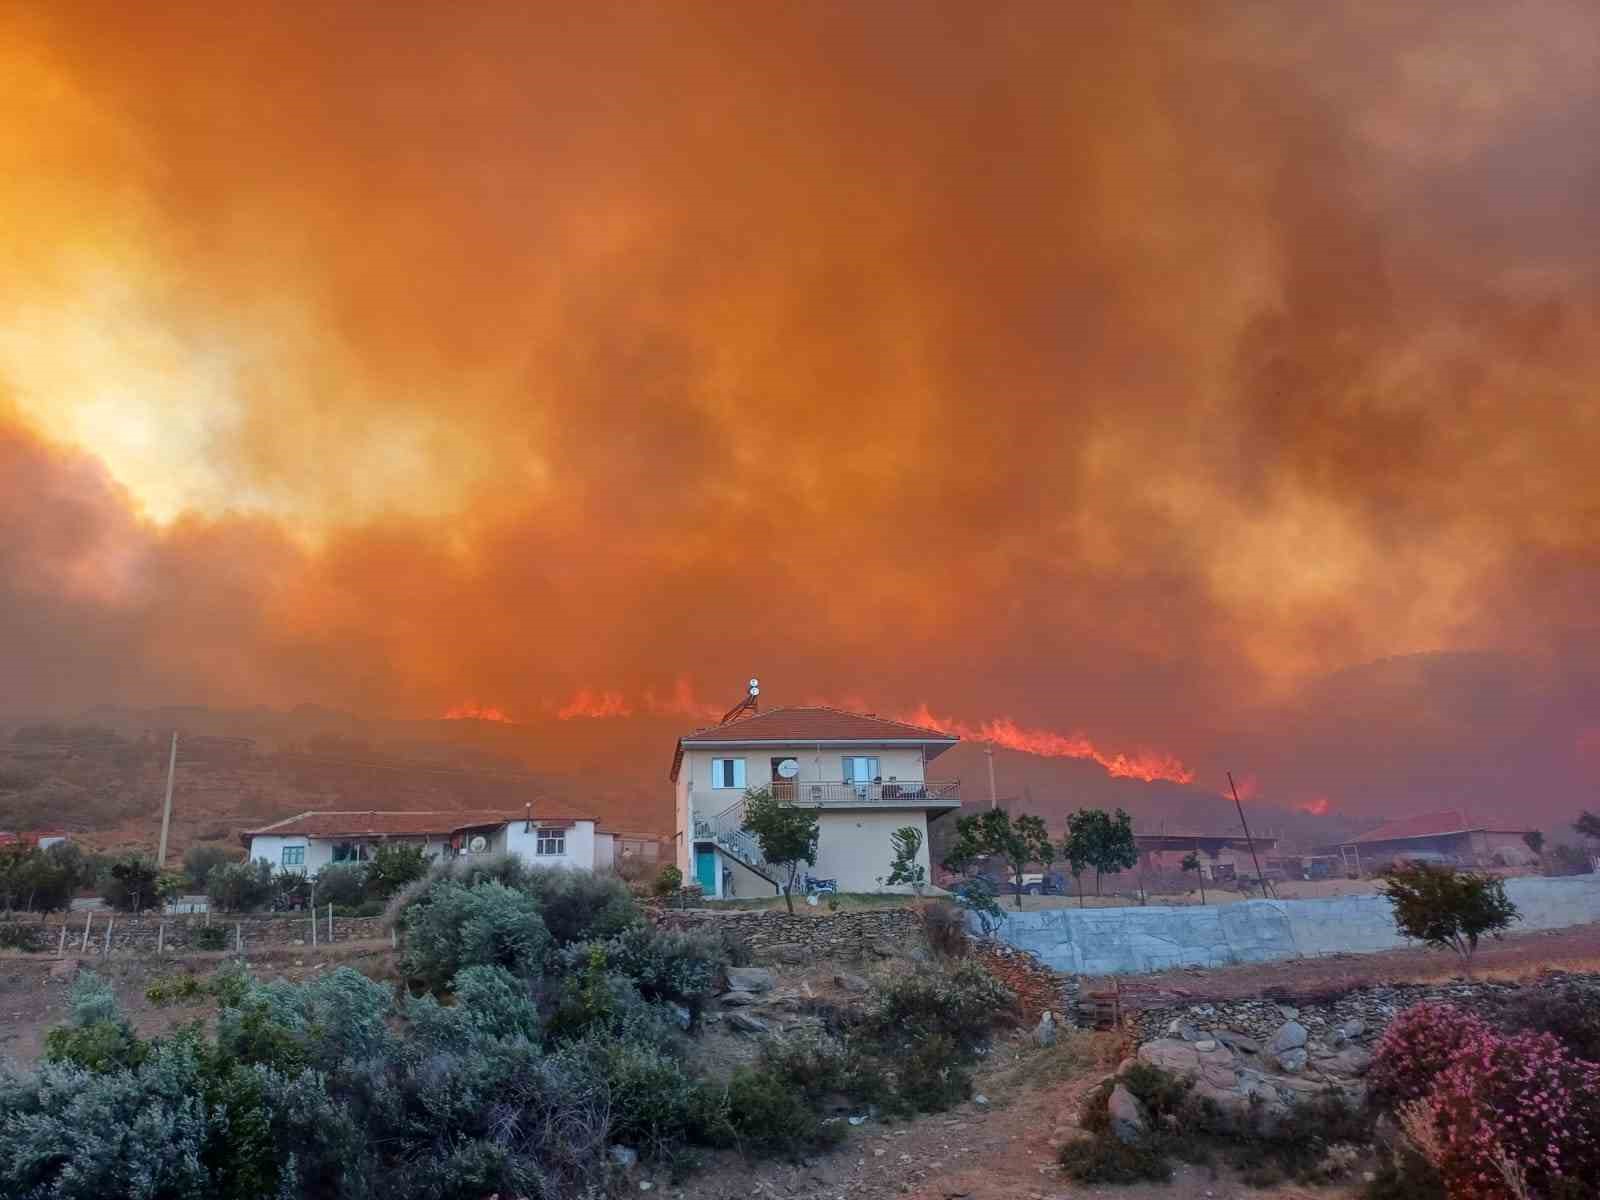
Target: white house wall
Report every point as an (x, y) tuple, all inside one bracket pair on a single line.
[(584, 848), (854, 846), (522, 841)]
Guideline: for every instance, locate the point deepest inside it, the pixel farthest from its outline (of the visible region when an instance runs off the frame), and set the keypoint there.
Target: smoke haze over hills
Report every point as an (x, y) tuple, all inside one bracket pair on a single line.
[(1211, 384)]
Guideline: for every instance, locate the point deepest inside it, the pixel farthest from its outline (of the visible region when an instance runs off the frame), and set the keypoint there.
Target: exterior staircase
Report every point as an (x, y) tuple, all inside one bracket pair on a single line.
[(726, 829)]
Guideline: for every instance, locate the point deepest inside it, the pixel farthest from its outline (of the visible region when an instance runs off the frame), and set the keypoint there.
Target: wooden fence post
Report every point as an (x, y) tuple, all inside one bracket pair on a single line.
[(110, 925), (238, 939), (161, 938), (61, 950), (313, 929), (88, 919)]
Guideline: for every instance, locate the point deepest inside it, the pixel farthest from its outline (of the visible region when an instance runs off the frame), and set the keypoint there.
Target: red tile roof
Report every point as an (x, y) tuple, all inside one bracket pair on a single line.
[(810, 725), (1435, 824), (395, 824)]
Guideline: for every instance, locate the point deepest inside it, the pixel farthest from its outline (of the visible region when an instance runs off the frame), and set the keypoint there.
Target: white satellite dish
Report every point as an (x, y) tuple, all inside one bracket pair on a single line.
[(788, 768), (478, 844)]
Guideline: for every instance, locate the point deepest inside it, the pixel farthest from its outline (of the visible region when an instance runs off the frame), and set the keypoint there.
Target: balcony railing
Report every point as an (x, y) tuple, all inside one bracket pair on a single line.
[(907, 793)]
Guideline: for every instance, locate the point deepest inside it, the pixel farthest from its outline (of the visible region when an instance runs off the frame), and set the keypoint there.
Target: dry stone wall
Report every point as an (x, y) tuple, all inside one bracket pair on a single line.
[(776, 936), (177, 933)]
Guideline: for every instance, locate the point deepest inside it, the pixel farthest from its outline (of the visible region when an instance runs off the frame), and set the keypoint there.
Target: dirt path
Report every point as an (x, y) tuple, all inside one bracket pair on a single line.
[(1516, 956)]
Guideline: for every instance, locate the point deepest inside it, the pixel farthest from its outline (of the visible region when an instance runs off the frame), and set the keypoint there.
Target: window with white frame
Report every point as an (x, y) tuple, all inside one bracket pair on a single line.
[(860, 769), (727, 772), (551, 842), (294, 856)]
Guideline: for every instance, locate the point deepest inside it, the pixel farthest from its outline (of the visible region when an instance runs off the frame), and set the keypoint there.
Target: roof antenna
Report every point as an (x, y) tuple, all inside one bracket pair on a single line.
[(752, 701)]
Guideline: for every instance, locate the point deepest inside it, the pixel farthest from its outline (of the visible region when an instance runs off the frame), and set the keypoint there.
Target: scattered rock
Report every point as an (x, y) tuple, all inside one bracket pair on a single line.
[(981, 1100), (1292, 1060), (1287, 1013), (1289, 1036), (745, 1023), (1352, 1060), (680, 1015), (625, 1157), (1206, 1044), (1044, 1033), (1170, 1055), (1128, 1119), (851, 983), (750, 979), (788, 952), (738, 999)]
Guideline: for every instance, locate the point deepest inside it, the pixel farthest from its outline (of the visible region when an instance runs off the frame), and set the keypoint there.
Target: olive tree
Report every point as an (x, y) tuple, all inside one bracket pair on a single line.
[(787, 835)]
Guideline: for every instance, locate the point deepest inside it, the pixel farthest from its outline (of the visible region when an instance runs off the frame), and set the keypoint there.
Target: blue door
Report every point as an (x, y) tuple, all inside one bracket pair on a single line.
[(705, 870)]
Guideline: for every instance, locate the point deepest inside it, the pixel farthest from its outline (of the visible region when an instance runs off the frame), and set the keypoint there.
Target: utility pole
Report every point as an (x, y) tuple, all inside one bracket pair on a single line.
[(1265, 886), (989, 754), (166, 812)]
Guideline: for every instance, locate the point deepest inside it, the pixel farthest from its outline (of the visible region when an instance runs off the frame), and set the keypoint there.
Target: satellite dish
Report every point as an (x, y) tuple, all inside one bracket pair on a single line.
[(755, 683), (478, 844), (788, 768)]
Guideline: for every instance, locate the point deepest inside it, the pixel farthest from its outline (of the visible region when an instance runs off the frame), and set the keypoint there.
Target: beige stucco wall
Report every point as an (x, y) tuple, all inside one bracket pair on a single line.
[(853, 846)]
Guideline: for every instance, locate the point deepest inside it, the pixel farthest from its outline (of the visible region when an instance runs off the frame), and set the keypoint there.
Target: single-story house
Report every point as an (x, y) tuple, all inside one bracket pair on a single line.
[(313, 840), (1222, 856), (1440, 837)]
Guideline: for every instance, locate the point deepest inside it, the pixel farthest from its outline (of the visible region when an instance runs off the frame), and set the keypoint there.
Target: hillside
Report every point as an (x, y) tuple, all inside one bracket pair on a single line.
[(102, 774)]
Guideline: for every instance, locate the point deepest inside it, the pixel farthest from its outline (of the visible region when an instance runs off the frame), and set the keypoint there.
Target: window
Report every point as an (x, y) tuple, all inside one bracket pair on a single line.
[(551, 841), (727, 772), (860, 770), (351, 852), (294, 856)]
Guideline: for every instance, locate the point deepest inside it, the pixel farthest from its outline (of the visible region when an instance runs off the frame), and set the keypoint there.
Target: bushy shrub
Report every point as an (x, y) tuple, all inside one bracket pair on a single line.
[(488, 1002), (766, 1116), (1570, 1013), (209, 937), (944, 926), (241, 887), (450, 926), (394, 865), (200, 861), (1104, 1159), (175, 989), (97, 1038), (335, 1018), (1522, 1100), (668, 880), (1418, 1044), (14, 935), (130, 884), (960, 1002), (664, 964), (342, 884), (581, 905)]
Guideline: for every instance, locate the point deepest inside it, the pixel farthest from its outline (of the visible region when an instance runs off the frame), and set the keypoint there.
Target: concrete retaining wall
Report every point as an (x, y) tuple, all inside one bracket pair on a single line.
[(1125, 941)]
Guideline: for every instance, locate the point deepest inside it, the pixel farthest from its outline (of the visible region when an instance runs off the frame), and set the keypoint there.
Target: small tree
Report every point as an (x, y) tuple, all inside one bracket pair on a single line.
[(905, 869), (1191, 862), (200, 861), (1534, 840), (1016, 842), (1448, 908), (787, 835), (241, 887), (1587, 824), (393, 866), (132, 884), (1098, 839), (668, 880)]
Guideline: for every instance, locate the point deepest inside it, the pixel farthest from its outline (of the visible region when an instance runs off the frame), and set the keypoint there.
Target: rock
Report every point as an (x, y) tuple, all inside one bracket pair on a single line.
[(851, 983), (625, 1157), (745, 1023), (1128, 1119), (981, 1100), (1287, 1013), (738, 999), (860, 1120), (1352, 1060), (788, 952), (1171, 1055), (1206, 1044), (885, 949), (1293, 1060), (750, 979), (681, 1016), (1237, 1041), (1351, 1029), (1045, 1033), (1289, 1036), (645, 1185)]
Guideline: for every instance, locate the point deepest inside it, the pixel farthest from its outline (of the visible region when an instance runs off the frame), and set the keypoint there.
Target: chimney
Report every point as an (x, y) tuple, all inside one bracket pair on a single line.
[(527, 810)]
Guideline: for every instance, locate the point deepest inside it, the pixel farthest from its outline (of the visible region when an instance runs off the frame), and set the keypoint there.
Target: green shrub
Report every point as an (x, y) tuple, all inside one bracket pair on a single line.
[(581, 905), (1104, 1159), (450, 926), (342, 885), (767, 1116), (663, 964), (933, 1076), (959, 1002), (98, 1047), (394, 866), (668, 880), (209, 937), (14, 935), (175, 989), (200, 861), (241, 887), (130, 884)]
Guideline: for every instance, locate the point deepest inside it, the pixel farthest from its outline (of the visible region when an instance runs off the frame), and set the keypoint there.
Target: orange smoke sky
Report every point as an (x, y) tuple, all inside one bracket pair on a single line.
[(1210, 383)]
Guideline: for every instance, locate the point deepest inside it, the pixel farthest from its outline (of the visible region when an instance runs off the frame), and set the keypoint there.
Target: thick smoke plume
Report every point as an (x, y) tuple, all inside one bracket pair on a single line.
[(1213, 381)]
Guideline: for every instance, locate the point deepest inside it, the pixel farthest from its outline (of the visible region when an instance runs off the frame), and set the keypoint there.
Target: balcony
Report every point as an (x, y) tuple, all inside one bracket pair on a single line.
[(808, 793)]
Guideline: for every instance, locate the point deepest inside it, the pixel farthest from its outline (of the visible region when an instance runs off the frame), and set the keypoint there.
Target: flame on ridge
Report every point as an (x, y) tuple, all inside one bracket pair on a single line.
[(473, 711)]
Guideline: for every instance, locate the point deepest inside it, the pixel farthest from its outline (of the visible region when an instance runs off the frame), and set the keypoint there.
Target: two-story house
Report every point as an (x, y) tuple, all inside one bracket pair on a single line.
[(865, 775)]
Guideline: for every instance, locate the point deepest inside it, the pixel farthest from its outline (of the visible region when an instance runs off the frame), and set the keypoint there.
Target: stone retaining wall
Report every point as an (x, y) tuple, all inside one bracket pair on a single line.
[(777, 935), (141, 934), (1125, 941)]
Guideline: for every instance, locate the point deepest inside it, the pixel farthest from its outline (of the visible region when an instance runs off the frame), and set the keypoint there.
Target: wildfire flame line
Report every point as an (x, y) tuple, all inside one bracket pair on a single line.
[(1148, 765)]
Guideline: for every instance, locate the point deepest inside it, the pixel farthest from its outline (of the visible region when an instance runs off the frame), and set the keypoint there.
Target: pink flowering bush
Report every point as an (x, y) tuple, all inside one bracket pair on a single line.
[(1523, 1100), (1419, 1044)]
